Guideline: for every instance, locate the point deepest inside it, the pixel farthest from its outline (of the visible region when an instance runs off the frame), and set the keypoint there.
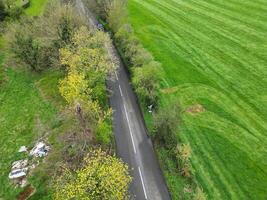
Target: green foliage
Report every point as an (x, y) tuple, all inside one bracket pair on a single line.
[(36, 42), (104, 133), (15, 12), (146, 82), (199, 194), (2, 10), (34, 53), (88, 64), (37, 7), (117, 14), (183, 155), (166, 123), (103, 177)]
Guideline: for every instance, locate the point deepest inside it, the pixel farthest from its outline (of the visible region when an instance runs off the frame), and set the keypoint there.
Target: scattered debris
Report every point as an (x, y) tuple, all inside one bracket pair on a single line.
[(150, 108), (23, 149), (20, 164), (20, 168), (17, 173), (195, 109), (40, 150)]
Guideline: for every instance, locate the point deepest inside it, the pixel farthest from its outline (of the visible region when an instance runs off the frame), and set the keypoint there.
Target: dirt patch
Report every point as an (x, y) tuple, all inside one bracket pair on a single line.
[(26, 193), (195, 109)]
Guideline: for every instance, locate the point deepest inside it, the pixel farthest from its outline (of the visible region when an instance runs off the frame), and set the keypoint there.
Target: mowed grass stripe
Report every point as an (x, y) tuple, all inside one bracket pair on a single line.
[(207, 29), (248, 142), (210, 161), (252, 67), (209, 61), (254, 19)]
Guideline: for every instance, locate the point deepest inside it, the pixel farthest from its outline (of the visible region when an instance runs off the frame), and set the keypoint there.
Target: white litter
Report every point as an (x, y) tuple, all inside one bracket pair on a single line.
[(22, 149), (18, 173), (20, 164), (40, 150)]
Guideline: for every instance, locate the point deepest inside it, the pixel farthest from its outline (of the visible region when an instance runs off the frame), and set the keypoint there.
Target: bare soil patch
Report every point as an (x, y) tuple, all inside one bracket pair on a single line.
[(195, 109), (26, 193)]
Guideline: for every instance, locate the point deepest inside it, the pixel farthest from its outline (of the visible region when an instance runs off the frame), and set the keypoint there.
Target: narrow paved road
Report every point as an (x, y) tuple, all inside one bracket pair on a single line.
[(133, 144)]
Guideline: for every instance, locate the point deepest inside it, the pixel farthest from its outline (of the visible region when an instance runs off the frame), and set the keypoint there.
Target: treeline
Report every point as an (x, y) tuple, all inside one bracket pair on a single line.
[(146, 75), (82, 154), (145, 71)]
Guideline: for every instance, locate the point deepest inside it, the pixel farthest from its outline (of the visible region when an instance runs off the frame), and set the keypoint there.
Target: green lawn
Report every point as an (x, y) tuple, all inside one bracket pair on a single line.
[(214, 53), (36, 7)]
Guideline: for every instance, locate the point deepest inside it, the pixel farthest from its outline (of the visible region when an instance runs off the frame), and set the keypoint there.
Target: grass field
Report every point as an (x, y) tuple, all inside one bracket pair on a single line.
[(36, 7), (214, 53), (26, 113)]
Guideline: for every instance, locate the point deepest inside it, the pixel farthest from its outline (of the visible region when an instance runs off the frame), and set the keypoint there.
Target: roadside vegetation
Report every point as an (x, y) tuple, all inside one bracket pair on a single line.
[(147, 79), (202, 66), (52, 74)]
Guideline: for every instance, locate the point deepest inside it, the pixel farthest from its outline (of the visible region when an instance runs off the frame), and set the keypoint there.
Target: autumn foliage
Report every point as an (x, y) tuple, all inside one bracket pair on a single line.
[(103, 177)]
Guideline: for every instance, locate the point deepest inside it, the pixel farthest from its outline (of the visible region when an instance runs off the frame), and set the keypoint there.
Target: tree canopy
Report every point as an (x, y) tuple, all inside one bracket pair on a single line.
[(103, 177)]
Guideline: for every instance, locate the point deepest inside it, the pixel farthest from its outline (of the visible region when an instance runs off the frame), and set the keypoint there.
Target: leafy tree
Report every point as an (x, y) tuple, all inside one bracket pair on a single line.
[(88, 65), (37, 42), (146, 81), (31, 51), (166, 122), (74, 87), (103, 177), (117, 14)]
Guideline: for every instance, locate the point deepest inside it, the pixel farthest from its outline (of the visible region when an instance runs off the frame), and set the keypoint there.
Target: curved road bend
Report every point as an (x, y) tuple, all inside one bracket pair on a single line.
[(133, 144)]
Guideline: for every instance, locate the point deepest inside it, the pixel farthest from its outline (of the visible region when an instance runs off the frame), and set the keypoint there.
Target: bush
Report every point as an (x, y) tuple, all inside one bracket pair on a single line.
[(166, 123), (199, 194), (146, 83), (104, 133), (31, 51), (15, 12), (37, 42)]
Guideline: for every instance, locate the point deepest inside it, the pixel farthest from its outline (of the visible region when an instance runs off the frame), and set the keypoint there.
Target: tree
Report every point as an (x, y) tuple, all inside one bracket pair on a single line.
[(117, 14), (88, 64), (74, 87), (31, 51), (146, 81), (166, 123), (103, 177), (37, 42)]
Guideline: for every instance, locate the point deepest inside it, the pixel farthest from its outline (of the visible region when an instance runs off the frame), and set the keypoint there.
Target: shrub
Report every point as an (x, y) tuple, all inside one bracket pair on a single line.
[(117, 14), (146, 83), (199, 194), (166, 123), (36, 42), (104, 133), (31, 51)]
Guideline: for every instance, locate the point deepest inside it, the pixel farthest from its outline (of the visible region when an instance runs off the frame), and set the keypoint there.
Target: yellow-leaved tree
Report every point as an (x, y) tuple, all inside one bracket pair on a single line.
[(89, 63), (103, 177)]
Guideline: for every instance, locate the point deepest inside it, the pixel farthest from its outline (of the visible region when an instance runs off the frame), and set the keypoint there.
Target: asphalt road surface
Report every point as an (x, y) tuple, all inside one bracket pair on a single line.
[(133, 144)]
